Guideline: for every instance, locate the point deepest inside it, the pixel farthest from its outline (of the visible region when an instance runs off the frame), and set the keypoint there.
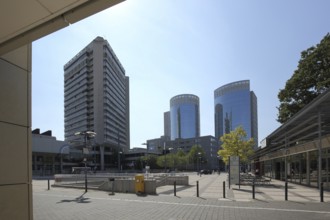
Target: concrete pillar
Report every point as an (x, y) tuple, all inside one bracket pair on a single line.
[(319, 121), (53, 165), (327, 168), (15, 130), (307, 168)]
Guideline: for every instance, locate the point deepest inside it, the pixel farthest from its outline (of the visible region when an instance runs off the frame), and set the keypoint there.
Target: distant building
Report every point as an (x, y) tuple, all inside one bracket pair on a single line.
[(209, 144), (167, 124), (184, 116), (96, 98), (235, 105), (157, 144), (134, 158), (51, 156)]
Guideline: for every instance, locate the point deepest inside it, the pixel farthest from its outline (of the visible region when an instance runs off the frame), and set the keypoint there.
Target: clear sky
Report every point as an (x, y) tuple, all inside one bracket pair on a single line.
[(171, 47)]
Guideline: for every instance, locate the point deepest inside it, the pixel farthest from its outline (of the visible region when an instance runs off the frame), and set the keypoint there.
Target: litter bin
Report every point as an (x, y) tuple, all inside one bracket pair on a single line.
[(139, 183)]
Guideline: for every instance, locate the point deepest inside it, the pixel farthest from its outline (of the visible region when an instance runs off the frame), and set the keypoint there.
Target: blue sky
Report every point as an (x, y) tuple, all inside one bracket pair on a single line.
[(171, 47)]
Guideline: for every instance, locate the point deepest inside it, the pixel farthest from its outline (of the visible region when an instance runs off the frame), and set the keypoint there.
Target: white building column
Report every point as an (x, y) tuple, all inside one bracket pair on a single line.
[(15, 129)]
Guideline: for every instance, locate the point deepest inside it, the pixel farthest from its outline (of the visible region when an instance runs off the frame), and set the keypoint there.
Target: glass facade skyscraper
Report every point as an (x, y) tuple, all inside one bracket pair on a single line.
[(184, 116), (235, 105)]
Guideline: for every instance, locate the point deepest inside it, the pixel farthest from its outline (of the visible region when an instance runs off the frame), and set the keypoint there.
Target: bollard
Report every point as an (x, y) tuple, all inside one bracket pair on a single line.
[(174, 188), (197, 189), (286, 191), (224, 189), (321, 192), (48, 185), (253, 190)]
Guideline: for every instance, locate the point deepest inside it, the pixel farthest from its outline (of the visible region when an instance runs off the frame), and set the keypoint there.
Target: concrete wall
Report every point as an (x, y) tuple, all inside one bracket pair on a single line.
[(128, 186), (180, 180), (15, 135)]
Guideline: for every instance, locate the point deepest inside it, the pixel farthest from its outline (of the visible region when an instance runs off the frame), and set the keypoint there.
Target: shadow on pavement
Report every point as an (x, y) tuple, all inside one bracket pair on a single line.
[(178, 189), (80, 199)]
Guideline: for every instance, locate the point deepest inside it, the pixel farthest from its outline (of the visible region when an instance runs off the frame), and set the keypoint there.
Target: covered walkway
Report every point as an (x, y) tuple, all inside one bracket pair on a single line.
[(299, 150)]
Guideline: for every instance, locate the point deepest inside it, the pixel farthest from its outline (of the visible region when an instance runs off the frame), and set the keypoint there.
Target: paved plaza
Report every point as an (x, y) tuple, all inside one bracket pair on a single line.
[(269, 203)]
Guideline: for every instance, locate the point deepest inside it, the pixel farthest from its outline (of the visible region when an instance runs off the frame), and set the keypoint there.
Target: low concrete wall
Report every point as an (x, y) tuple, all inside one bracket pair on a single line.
[(128, 186), (180, 180), (122, 183)]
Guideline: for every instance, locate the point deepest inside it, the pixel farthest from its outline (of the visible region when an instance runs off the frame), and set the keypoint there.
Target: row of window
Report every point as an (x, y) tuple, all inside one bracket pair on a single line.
[(113, 92), (109, 53), (112, 79), (109, 102), (72, 73), (111, 119), (73, 85)]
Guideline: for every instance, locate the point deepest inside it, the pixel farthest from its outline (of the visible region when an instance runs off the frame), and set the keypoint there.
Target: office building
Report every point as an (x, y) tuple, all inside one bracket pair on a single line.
[(184, 116), (235, 105), (96, 98)]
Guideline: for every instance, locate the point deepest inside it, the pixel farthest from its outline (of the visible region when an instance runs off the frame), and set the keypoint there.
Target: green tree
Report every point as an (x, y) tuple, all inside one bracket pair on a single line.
[(193, 153), (172, 160), (161, 161), (195, 156), (150, 160), (180, 160), (310, 79), (164, 161), (235, 143)]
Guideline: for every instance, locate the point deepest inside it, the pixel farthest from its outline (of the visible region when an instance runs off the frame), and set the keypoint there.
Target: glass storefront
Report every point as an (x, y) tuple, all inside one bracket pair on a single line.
[(301, 168)]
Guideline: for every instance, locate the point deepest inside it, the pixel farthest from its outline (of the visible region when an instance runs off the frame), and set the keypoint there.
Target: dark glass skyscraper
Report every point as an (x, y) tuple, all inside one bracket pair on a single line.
[(235, 105), (185, 122)]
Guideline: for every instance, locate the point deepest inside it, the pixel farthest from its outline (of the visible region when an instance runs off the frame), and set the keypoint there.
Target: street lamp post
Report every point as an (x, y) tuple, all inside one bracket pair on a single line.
[(219, 158), (85, 134), (85, 162), (61, 152), (120, 166), (147, 155), (199, 161), (165, 157), (169, 150), (119, 151)]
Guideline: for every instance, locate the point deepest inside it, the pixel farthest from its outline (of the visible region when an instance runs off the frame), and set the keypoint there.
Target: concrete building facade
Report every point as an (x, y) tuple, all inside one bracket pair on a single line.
[(96, 98)]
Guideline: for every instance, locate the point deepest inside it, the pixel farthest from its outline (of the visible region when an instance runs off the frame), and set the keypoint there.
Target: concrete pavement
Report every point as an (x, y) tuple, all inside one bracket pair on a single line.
[(65, 203), (211, 186)]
